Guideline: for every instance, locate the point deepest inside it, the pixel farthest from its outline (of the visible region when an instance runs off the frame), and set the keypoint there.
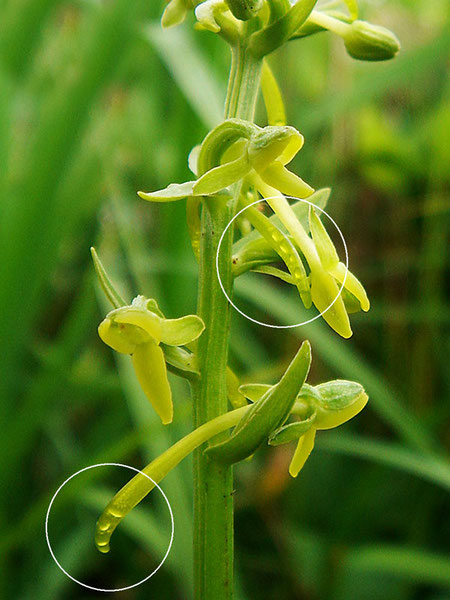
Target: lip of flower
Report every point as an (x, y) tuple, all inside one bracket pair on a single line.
[(138, 331)]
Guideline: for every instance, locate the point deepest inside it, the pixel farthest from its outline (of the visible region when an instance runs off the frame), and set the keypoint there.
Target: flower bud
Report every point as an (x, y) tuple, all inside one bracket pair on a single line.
[(365, 41), (244, 9), (175, 12)]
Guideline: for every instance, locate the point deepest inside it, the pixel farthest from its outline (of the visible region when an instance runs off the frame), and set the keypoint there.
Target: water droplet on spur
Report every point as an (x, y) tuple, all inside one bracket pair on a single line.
[(103, 548)]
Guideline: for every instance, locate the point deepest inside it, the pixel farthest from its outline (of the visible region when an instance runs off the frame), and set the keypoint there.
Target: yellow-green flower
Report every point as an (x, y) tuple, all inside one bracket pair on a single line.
[(320, 407), (137, 330), (237, 150)]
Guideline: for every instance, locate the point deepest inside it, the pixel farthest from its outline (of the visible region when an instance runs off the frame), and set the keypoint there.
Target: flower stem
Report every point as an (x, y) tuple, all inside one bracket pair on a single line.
[(213, 482)]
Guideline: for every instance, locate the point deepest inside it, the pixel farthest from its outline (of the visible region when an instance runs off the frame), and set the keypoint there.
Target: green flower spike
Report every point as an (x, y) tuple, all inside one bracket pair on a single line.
[(138, 330)]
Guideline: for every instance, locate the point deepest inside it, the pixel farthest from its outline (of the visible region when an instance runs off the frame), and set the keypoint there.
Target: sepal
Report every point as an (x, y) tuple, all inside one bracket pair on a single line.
[(105, 282), (339, 402)]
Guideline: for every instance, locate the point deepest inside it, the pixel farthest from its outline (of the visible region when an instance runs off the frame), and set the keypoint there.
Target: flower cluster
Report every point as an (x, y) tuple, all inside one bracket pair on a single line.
[(265, 419), (238, 164), (281, 21)]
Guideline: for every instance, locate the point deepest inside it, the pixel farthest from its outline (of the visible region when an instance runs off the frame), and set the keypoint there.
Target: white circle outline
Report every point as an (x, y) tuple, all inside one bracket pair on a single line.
[(289, 242), (91, 587)]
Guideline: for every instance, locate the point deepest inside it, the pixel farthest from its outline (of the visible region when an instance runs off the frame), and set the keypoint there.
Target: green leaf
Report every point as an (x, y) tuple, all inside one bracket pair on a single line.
[(428, 467)]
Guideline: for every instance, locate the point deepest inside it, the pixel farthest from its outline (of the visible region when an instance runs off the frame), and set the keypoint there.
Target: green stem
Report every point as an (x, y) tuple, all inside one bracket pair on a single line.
[(213, 482)]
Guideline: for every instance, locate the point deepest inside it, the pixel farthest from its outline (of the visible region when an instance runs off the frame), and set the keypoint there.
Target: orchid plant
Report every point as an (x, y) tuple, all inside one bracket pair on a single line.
[(237, 164)]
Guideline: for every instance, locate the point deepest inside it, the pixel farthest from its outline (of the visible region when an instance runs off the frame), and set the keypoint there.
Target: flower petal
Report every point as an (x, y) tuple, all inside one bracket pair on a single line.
[(325, 291), (282, 179), (273, 100), (205, 14), (220, 177), (174, 191), (272, 143), (304, 448), (291, 431), (150, 368), (174, 13), (178, 332), (340, 402), (115, 336), (352, 284), (146, 320), (324, 246)]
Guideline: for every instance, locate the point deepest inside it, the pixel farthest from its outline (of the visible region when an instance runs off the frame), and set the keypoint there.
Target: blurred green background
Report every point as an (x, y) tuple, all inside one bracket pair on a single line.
[(96, 102)]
